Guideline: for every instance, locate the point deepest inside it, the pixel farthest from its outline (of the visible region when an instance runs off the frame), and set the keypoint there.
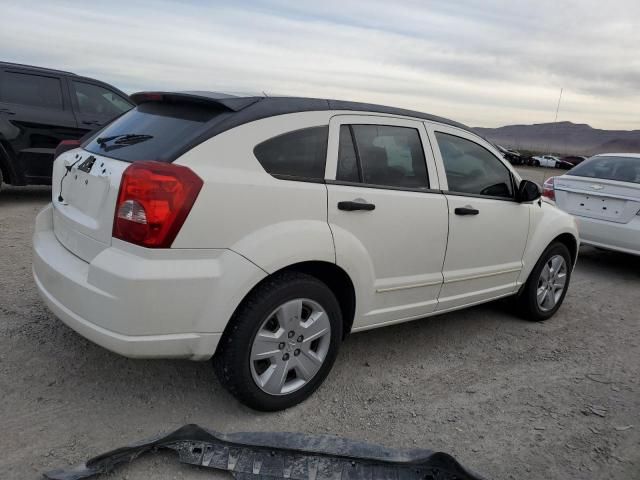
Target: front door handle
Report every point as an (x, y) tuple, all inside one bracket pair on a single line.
[(356, 205), (7, 111), (91, 122), (466, 211)]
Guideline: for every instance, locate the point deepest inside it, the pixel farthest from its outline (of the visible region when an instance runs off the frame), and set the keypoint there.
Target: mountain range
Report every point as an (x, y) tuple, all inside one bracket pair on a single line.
[(563, 138)]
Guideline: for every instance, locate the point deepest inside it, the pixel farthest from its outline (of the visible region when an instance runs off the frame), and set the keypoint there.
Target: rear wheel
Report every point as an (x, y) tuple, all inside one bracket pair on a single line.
[(547, 285), (281, 342)]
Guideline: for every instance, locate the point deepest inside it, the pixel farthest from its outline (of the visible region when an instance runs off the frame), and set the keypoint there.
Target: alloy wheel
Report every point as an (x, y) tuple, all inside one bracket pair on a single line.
[(552, 282), (290, 346)]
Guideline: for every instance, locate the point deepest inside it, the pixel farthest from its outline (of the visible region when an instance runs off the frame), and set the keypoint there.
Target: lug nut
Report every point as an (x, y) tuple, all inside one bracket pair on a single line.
[(300, 338), (296, 352), (291, 334), (281, 346), (285, 357)]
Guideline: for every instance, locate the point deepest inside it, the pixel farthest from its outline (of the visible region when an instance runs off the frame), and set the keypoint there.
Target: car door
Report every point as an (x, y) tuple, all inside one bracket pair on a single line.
[(95, 105), (488, 229), (387, 215), (35, 115)]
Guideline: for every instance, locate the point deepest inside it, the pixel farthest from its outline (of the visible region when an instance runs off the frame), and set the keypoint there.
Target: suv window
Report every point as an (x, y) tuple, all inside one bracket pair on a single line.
[(382, 155), (34, 90), (473, 169), (300, 154), (95, 100)]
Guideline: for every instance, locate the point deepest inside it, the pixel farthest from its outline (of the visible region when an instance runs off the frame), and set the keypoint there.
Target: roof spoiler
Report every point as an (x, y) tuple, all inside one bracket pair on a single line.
[(213, 99)]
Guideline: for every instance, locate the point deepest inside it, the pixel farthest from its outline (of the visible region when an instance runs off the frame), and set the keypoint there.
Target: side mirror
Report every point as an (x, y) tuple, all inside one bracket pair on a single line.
[(528, 191)]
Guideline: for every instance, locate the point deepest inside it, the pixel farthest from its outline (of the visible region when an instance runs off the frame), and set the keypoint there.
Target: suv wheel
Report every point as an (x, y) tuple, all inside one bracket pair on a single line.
[(547, 285), (281, 342)]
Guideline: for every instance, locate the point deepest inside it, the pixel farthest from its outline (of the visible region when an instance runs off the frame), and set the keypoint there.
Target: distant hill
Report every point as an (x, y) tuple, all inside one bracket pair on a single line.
[(563, 138)]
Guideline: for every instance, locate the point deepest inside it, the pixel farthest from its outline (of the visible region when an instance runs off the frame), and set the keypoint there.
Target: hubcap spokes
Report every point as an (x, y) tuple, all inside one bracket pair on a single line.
[(552, 282), (290, 346)]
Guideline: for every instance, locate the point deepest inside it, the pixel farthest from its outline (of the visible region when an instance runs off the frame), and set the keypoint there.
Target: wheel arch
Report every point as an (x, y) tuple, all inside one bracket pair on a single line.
[(331, 275)]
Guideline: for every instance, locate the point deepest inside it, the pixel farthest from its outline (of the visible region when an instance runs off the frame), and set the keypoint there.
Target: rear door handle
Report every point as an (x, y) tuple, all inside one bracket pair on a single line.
[(91, 122), (7, 111), (466, 211), (356, 205)]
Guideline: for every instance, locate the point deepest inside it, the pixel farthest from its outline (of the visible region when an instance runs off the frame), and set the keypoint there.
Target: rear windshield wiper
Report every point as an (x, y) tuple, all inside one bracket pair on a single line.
[(125, 139), (120, 141)]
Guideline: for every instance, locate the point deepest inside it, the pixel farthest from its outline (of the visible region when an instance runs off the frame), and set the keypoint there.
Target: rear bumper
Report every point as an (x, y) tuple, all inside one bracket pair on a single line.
[(622, 237), (159, 304)]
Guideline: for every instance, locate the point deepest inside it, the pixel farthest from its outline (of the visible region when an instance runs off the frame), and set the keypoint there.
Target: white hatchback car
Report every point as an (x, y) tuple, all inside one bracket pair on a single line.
[(260, 231), (603, 193)]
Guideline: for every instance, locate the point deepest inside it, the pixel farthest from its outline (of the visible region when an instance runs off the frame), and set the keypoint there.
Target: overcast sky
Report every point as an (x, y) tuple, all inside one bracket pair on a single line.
[(484, 62)]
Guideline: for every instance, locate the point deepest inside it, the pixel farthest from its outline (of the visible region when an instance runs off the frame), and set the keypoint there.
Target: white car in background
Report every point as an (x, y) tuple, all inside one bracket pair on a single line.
[(603, 194), (260, 231), (545, 161)]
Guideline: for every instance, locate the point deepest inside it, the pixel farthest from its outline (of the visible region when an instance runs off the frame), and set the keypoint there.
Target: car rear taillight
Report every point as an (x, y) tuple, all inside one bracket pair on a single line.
[(548, 190), (153, 203), (65, 146)]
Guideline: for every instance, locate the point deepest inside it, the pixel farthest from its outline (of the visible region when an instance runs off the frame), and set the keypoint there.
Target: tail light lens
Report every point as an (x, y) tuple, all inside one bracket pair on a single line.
[(153, 203), (65, 146), (548, 190)]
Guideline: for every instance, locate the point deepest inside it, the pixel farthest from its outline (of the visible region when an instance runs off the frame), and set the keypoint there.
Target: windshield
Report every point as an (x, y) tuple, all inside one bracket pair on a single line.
[(151, 131), (623, 169)]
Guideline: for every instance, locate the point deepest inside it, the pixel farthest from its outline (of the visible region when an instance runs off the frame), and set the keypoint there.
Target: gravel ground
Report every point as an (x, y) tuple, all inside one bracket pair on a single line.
[(510, 399)]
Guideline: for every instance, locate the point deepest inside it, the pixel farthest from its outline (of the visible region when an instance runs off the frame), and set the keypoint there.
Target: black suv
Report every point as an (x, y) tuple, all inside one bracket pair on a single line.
[(39, 108)]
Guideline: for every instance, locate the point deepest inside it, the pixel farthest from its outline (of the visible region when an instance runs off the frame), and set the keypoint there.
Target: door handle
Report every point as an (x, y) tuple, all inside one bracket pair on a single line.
[(466, 211), (91, 122), (356, 205), (7, 111)]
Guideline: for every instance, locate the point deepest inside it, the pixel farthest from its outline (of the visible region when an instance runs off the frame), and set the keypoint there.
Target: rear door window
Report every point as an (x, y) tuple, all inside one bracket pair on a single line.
[(96, 100), (152, 131), (382, 155), (297, 155), (33, 90)]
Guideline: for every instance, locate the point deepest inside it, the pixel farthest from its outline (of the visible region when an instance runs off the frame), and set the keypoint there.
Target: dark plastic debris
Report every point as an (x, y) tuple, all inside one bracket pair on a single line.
[(281, 456)]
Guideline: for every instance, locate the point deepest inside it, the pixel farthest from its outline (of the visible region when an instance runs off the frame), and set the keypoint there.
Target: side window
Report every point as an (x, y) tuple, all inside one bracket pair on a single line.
[(382, 155), (33, 90), (300, 154), (95, 100), (473, 169)]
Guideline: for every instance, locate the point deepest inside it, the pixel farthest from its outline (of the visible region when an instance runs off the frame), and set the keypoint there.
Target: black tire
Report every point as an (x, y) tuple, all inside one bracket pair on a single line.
[(232, 359), (527, 302)]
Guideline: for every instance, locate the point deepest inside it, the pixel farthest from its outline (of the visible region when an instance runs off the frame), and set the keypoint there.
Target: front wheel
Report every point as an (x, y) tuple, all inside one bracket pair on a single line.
[(547, 285), (281, 343)]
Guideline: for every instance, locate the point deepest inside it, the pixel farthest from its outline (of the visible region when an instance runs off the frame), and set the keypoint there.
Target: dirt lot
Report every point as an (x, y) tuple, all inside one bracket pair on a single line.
[(508, 398)]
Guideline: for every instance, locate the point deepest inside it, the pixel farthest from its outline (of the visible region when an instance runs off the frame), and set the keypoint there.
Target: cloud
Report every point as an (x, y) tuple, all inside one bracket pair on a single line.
[(484, 63)]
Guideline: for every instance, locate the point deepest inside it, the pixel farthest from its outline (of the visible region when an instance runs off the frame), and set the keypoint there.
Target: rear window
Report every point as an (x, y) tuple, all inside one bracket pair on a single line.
[(623, 169), (152, 131), (297, 155)]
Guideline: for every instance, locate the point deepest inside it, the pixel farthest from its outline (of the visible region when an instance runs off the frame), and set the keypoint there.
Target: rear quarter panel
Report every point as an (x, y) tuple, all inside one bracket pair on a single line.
[(272, 222)]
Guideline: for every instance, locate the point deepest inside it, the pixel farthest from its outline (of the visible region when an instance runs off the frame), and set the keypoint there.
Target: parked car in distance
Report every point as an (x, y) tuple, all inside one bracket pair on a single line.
[(261, 231), (603, 194), (573, 160), (550, 161), (39, 108), (515, 158)]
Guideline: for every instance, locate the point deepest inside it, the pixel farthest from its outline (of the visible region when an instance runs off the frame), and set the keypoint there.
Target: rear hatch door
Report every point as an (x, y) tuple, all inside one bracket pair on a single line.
[(86, 181)]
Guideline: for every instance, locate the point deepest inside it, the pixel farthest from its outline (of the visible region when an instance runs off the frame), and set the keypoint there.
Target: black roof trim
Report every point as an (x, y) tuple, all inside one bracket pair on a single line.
[(33, 67), (239, 110)]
